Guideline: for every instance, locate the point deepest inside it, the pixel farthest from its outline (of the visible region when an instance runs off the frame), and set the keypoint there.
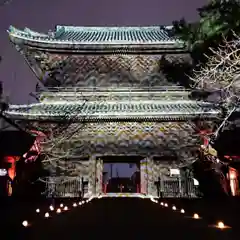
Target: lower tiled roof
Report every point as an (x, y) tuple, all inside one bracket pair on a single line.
[(113, 110)]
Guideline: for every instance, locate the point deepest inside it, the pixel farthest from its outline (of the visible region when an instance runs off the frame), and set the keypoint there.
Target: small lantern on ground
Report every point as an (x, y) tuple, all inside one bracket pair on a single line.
[(25, 223), (195, 216), (220, 225), (59, 210)]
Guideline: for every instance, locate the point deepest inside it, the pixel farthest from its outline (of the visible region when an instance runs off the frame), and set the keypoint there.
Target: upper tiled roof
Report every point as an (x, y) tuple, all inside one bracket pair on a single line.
[(114, 34), (114, 110), (98, 35)]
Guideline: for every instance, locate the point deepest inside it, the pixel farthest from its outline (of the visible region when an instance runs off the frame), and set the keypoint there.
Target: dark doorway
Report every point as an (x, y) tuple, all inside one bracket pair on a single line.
[(121, 174)]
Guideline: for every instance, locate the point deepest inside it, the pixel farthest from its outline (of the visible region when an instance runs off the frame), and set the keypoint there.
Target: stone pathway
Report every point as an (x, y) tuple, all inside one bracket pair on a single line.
[(128, 218)]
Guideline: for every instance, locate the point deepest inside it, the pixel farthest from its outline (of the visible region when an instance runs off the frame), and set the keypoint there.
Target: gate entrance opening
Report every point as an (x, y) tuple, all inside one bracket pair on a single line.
[(121, 174)]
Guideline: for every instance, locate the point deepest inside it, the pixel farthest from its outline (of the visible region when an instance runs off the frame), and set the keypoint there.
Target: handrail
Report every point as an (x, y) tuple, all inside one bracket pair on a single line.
[(114, 89)]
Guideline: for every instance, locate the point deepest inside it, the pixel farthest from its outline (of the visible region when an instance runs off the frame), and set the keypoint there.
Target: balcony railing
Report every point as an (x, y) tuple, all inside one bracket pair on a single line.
[(114, 89)]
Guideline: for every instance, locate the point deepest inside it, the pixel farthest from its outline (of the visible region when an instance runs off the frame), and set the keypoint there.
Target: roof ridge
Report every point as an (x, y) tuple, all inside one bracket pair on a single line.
[(109, 28)]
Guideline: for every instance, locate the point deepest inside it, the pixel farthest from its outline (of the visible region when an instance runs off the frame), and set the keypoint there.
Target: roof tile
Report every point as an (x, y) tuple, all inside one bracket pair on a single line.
[(118, 35), (114, 109)]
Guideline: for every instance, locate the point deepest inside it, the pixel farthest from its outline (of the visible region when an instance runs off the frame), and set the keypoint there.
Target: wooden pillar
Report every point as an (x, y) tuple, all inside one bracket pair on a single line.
[(147, 176), (152, 190), (92, 176), (99, 175), (143, 176)]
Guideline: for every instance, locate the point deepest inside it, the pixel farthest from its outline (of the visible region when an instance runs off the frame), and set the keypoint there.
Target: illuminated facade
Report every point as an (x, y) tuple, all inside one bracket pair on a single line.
[(104, 94)]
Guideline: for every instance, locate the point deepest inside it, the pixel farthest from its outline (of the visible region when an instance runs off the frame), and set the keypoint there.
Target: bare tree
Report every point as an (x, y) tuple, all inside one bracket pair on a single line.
[(60, 148), (64, 142), (221, 78)]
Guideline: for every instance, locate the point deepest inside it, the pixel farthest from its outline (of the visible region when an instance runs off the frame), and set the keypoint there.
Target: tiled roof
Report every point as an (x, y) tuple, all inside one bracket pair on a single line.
[(113, 34), (98, 35), (113, 110)]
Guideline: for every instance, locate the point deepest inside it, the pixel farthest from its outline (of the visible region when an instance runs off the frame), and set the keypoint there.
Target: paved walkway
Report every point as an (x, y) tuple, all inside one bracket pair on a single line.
[(128, 218)]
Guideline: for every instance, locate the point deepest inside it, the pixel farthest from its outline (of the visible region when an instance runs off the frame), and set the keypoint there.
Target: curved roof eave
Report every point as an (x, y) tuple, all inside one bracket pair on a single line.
[(82, 112), (36, 39), (88, 118)]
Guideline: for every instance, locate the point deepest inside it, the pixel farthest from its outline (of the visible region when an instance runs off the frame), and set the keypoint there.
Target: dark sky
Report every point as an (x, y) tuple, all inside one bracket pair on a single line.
[(45, 14)]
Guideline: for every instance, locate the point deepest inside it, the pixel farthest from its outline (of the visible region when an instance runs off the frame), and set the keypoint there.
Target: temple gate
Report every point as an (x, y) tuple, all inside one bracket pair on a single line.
[(102, 92)]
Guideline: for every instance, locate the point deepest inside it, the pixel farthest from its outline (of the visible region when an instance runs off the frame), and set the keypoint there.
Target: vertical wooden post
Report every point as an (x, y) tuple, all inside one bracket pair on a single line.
[(143, 176)]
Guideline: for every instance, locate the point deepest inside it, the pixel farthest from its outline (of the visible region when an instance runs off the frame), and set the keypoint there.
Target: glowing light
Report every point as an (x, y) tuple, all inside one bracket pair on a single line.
[(100, 196), (153, 200), (90, 199), (166, 205), (195, 216), (195, 182), (174, 172), (174, 208), (65, 208), (25, 223), (51, 208), (182, 211), (232, 175), (38, 210), (79, 203), (58, 210), (220, 225), (61, 205), (46, 215), (74, 205), (162, 203), (3, 172)]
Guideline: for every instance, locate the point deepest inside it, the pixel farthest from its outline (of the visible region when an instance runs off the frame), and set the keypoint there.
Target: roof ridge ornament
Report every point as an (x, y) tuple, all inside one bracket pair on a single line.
[(13, 30), (33, 33)]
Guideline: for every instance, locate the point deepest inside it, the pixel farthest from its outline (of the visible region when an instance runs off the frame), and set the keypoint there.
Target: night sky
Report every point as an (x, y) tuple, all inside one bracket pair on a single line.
[(45, 14)]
